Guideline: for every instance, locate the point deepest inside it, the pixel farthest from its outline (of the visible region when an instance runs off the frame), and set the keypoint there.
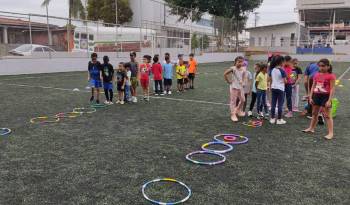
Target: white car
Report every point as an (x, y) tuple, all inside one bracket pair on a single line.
[(29, 49)]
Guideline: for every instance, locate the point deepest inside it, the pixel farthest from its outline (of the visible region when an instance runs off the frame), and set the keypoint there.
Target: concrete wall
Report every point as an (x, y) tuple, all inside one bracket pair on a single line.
[(44, 65)]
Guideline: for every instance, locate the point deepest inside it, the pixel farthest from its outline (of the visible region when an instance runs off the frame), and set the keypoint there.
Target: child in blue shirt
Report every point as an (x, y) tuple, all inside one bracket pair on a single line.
[(168, 75), (95, 78)]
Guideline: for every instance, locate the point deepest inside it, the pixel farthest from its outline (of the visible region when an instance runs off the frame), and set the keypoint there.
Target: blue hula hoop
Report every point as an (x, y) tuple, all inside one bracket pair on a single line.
[(244, 141), (5, 131), (188, 157), (166, 180), (229, 147)]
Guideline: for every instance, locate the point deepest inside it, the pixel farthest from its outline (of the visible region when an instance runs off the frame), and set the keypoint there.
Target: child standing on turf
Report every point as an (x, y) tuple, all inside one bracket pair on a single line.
[(236, 82), (296, 78), (288, 68), (135, 76), (321, 94), (253, 101), (168, 75), (278, 79), (180, 75), (192, 70), (145, 71), (94, 78), (261, 85), (108, 78), (127, 97), (121, 80), (157, 71)]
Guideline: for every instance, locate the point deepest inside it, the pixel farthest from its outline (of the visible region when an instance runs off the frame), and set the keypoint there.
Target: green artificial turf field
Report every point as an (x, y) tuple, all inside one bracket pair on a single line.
[(106, 157)]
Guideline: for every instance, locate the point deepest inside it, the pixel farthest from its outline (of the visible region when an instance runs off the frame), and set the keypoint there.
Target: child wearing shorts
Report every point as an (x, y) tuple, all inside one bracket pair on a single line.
[(145, 71), (168, 75), (121, 80), (180, 75), (95, 78)]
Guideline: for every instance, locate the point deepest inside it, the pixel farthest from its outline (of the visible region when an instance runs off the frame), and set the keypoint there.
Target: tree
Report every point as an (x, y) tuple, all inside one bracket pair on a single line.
[(194, 42), (105, 10), (75, 10), (204, 41), (232, 9)]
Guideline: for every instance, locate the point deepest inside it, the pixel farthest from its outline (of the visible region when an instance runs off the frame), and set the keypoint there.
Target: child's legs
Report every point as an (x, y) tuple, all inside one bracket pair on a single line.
[(259, 104), (274, 97), (245, 101), (252, 103), (233, 100), (156, 90), (111, 95), (329, 119), (295, 96), (280, 100), (241, 100), (263, 102), (288, 92), (161, 85), (106, 94), (314, 120)]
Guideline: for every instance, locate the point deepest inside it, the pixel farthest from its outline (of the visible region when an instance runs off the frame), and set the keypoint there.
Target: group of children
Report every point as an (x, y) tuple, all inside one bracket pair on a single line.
[(278, 82), (128, 76)]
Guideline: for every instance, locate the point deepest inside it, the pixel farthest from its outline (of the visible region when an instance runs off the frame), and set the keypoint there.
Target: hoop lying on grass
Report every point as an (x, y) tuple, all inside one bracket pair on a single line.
[(5, 131), (44, 120), (229, 147), (239, 139), (253, 123), (97, 106), (166, 180), (223, 158), (83, 110), (68, 115)]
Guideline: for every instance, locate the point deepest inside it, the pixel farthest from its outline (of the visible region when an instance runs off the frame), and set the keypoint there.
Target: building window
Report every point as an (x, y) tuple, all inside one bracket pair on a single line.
[(252, 41), (259, 41)]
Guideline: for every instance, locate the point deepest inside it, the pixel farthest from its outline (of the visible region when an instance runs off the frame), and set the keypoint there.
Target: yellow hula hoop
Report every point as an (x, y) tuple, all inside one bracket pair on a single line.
[(68, 115), (45, 119)]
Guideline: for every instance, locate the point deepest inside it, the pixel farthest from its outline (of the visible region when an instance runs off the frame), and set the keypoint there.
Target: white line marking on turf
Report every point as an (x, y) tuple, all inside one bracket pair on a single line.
[(71, 90), (345, 72)]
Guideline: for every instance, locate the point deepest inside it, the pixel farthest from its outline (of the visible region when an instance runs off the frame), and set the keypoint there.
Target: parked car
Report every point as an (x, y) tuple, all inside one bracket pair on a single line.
[(28, 49)]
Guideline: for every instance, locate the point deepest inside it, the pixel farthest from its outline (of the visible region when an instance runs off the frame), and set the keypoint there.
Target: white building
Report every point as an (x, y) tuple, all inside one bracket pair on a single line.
[(280, 37)]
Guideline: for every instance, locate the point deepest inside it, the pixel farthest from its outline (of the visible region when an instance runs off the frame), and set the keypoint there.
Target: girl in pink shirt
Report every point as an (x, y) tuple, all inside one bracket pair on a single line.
[(321, 95)]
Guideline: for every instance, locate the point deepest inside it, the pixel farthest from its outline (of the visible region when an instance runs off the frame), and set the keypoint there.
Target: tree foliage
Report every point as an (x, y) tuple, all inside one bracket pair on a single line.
[(104, 10), (76, 8)]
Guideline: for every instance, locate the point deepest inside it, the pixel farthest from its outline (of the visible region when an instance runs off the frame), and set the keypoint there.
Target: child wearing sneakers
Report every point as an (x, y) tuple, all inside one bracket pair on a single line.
[(236, 82), (157, 71), (253, 101), (288, 68), (180, 75), (261, 85), (121, 80), (145, 71), (127, 97), (277, 79), (95, 78), (108, 79), (168, 75)]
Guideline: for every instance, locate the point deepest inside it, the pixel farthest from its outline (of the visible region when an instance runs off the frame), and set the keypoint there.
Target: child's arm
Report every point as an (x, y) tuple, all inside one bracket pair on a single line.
[(227, 72), (331, 94), (89, 76)]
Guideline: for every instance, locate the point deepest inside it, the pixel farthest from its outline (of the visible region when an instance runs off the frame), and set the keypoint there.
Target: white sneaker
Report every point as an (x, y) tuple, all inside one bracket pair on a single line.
[(134, 99), (106, 102), (122, 102), (273, 121), (164, 93), (169, 93), (281, 122), (111, 103), (118, 102), (261, 115), (156, 94), (250, 113)]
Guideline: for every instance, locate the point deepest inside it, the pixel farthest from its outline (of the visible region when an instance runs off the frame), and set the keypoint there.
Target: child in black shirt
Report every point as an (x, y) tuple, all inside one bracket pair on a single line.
[(108, 78)]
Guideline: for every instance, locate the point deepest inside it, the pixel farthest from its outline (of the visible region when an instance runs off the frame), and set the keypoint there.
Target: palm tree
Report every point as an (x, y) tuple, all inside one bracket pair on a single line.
[(76, 10)]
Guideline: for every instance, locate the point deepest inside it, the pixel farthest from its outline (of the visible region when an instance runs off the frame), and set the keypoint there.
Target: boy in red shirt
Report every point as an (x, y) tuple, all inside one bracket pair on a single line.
[(145, 71), (157, 71)]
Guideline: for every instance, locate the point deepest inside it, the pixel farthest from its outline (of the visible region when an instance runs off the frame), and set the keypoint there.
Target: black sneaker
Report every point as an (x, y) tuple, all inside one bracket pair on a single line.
[(91, 99), (97, 102)]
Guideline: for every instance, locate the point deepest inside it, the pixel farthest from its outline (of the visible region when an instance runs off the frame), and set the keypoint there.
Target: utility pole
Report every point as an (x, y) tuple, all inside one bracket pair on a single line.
[(256, 18), (116, 12)]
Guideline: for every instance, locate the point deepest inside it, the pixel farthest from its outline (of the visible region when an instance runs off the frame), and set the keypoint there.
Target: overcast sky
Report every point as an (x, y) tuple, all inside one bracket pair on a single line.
[(271, 11)]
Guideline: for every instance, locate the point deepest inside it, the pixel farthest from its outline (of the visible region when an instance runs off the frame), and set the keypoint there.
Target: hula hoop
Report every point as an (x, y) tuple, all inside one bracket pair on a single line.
[(68, 115), (83, 110), (253, 123), (98, 106), (5, 131), (245, 139), (230, 138), (229, 147), (188, 157), (166, 180), (45, 119)]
